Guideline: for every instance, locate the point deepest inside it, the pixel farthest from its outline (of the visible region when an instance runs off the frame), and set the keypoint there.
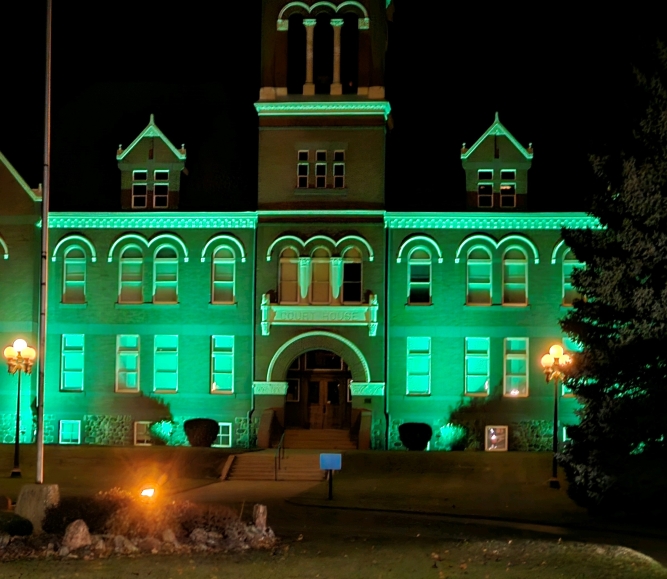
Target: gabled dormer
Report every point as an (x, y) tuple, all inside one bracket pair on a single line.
[(496, 168), (150, 171)]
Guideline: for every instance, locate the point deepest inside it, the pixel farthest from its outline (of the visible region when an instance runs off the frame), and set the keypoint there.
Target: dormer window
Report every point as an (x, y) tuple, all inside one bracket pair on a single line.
[(508, 175), (485, 174), (508, 195), (161, 189), (139, 189)]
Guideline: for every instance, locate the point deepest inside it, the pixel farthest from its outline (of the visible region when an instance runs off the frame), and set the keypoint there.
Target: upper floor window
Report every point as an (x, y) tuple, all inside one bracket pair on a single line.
[(485, 188), (516, 367), (289, 277), (223, 268), (352, 285), (326, 174), (477, 366), (419, 276), (165, 364), (321, 169), (140, 189), (479, 277), (222, 364), (302, 169), (320, 286), (71, 369), (339, 170), (515, 278), (165, 276), (131, 276), (570, 263), (508, 195), (418, 365), (127, 363), (74, 276), (161, 189)]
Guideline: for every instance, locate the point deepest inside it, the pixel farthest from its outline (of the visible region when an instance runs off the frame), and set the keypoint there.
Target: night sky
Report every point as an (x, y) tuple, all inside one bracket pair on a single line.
[(561, 80)]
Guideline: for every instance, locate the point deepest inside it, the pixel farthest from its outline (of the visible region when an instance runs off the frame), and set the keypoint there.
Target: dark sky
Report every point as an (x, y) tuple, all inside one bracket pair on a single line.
[(563, 81)]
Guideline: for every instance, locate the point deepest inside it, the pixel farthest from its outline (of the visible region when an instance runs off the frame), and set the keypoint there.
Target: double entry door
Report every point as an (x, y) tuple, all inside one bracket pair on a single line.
[(327, 402)]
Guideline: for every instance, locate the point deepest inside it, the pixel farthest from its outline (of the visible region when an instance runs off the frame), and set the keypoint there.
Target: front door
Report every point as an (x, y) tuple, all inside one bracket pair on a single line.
[(326, 403)]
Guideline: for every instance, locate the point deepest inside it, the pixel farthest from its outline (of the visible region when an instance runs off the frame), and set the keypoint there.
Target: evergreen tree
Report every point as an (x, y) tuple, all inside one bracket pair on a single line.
[(617, 457)]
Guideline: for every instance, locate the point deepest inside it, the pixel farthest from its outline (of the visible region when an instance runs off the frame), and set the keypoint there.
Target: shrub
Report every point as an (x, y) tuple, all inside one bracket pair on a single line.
[(453, 437), (415, 435), (201, 431), (95, 511), (161, 432), (15, 525)]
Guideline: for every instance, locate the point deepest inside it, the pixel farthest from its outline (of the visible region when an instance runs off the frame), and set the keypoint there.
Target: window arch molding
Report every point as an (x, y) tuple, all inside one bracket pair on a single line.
[(423, 239), (335, 245), (220, 240), (142, 241), (559, 251), (5, 249), (74, 240), (303, 9), (483, 239)]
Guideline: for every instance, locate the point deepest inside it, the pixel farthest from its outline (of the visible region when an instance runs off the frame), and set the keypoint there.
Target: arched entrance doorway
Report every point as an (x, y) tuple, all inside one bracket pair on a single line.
[(318, 392)]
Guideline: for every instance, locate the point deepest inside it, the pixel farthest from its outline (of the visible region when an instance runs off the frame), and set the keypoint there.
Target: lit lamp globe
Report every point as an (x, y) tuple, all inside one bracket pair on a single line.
[(20, 345), (29, 353), (547, 361), (556, 351), (10, 353)]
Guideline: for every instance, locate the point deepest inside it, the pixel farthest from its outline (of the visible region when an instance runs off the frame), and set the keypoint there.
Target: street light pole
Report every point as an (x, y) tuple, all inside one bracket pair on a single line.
[(553, 364), (20, 358)]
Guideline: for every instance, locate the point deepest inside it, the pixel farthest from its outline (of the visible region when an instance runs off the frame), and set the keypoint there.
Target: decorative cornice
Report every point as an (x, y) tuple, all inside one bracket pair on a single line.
[(489, 221), (153, 220), (310, 109)]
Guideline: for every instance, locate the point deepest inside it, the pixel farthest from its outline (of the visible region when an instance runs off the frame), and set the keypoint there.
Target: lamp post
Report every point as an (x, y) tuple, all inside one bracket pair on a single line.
[(20, 358), (553, 364)]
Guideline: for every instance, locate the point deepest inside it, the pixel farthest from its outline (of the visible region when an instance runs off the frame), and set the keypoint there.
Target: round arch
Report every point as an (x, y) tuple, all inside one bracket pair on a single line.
[(318, 340)]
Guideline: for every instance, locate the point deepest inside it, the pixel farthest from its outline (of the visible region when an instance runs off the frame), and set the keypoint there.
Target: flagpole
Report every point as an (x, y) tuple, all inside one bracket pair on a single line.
[(43, 294)]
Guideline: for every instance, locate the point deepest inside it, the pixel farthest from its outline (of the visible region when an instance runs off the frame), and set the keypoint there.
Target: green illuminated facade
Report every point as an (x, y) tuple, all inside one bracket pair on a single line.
[(319, 311)]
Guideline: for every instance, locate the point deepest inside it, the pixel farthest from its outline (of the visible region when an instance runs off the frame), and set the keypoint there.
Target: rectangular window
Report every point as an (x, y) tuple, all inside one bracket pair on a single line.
[(508, 195), (224, 438), (302, 172), (485, 195), (165, 284), (485, 174), (142, 435), (222, 364), (419, 290), (70, 432), (320, 175), (127, 363), (71, 369), (516, 367), (289, 281), (131, 280), (477, 366), (74, 277), (320, 288), (223, 280), (569, 292), (321, 156), (479, 278), (508, 174), (165, 364), (339, 169), (418, 366), (139, 189), (351, 283)]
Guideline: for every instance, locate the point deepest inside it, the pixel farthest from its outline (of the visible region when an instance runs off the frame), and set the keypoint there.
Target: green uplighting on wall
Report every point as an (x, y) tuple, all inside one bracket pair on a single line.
[(319, 109)]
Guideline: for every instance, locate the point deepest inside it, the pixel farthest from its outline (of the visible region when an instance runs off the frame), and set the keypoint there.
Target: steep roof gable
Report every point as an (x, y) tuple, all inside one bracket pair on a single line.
[(497, 129), (34, 194), (152, 130)]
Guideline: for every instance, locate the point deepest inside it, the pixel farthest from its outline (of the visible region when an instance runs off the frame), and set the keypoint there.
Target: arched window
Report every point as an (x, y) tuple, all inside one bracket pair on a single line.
[(320, 286), (515, 277), (419, 276), (223, 272), (131, 276), (289, 277), (569, 264), (165, 276), (74, 276), (352, 268), (479, 277)]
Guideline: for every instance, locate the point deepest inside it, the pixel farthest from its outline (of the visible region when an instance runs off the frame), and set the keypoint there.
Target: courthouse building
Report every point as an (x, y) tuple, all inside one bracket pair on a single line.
[(319, 313)]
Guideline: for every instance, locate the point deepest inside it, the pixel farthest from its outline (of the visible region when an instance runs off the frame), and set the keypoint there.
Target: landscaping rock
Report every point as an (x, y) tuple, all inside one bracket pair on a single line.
[(123, 545), (259, 514), (63, 552), (168, 536), (98, 543), (4, 540), (150, 545), (33, 501), (199, 536), (76, 535)]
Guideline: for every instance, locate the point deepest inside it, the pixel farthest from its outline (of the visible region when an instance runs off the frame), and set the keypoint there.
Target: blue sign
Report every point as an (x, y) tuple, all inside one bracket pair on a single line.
[(331, 461)]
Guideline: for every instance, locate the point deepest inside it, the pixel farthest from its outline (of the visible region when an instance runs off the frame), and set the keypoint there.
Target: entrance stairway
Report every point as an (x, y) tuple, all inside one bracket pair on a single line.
[(331, 439), (261, 466)]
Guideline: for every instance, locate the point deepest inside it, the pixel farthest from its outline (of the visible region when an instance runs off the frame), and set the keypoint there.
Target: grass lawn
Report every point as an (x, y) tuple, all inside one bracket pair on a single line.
[(85, 470), (365, 559)]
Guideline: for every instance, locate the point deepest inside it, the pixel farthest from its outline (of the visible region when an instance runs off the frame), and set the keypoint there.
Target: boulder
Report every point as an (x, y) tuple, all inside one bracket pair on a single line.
[(33, 501), (4, 540), (168, 536), (150, 545), (76, 535), (123, 545), (259, 514)]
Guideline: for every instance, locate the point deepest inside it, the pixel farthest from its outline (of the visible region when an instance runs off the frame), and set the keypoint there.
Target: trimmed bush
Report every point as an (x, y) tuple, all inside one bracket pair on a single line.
[(161, 432), (201, 431), (15, 525), (415, 435), (452, 437)]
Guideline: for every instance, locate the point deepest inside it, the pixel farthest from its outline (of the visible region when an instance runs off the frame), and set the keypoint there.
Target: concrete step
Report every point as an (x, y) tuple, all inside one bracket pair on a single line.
[(262, 467), (331, 439)]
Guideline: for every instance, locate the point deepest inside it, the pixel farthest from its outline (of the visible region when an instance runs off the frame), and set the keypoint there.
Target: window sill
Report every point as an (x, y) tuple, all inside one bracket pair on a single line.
[(162, 392), (514, 397), (323, 192), (145, 306), (222, 393), (127, 392), (73, 306), (425, 395), (505, 307), (215, 306), (471, 395), (71, 391), (409, 305)]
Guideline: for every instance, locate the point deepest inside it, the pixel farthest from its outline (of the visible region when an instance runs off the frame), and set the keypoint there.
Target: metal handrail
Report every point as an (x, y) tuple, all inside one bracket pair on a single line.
[(280, 453)]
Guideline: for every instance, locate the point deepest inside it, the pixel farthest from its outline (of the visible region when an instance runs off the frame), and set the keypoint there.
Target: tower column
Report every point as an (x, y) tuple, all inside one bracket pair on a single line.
[(309, 87), (336, 86)]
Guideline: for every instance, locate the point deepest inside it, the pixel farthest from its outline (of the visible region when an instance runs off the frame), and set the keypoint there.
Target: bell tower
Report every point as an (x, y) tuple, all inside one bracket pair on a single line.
[(322, 108)]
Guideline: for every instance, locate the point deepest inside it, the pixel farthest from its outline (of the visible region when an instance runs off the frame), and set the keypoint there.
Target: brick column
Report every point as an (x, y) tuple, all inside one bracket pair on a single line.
[(336, 86), (309, 87)]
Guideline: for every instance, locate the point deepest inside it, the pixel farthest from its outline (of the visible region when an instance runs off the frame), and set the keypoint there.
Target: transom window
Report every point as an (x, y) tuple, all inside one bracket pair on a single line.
[(515, 278), (223, 276), (131, 276), (74, 276), (165, 276), (479, 277), (419, 277)]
